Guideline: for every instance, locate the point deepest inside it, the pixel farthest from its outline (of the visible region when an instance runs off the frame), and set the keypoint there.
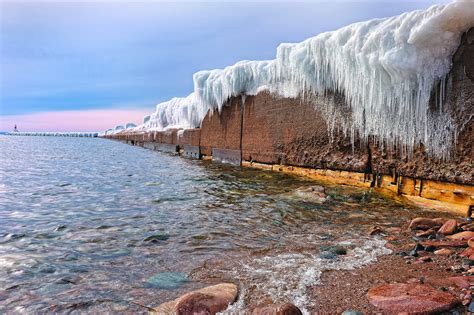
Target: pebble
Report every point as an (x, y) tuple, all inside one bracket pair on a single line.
[(466, 235), (277, 309), (449, 227), (425, 223), (444, 252)]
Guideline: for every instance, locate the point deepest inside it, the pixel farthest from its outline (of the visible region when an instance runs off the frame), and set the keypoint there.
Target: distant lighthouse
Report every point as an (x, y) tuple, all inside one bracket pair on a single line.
[(15, 129)]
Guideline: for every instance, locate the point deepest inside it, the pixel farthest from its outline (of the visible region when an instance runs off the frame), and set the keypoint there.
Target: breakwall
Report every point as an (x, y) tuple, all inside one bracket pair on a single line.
[(289, 135)]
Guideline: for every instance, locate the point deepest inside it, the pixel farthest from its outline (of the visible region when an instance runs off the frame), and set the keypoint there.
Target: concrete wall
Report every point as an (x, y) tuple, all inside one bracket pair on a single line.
[(289, 135)]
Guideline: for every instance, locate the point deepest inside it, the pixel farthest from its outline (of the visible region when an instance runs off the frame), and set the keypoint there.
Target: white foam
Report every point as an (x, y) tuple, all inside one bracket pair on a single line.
[(386, 68), (286, 277)]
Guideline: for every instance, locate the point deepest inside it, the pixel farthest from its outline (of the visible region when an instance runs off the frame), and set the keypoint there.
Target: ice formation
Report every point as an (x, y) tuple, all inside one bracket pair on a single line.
[(386, 69)]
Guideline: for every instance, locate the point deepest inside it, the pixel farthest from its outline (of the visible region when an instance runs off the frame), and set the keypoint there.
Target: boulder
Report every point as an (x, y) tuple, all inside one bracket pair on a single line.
[(209, 300), (410, 298), (449, 227), (277, 309), (200, 303), (466, 235), (425, 223)]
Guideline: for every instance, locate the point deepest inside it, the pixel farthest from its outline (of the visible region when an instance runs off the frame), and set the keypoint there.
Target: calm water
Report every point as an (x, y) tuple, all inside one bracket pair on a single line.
[(96, 225)]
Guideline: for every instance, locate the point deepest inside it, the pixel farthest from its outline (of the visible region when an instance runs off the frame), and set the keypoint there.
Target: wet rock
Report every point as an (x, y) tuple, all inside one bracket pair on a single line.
[(314, 194), (449, 227), (470, 243), (444, 252), (208, 300), (156, 238), (445, 244), (351, 312), (468, 252), (277, 309), (423, 260), (331, 252), (410, 298), (461, 282), (414, 251), (375, 230), (468, 227), (466, 235), (200, 303), (426, 233), (425, 223), (471, 307), (167, 280)]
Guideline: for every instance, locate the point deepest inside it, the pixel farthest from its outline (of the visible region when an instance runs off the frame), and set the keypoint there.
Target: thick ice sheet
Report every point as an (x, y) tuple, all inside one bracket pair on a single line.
[(386, 68)]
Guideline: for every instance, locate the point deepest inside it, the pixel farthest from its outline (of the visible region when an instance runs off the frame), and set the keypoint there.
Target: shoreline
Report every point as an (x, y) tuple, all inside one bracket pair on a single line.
[(344, 290), (348, 290), (438, 195)]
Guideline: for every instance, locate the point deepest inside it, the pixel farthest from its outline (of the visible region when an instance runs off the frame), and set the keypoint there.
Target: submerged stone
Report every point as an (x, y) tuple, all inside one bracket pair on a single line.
[(167, 280), (156, 238)]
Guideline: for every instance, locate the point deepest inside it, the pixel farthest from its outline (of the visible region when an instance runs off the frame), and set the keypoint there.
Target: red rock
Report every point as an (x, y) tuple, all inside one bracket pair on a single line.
[(449, 227), (461, 282), (426, 233), (424, 223), (208, 300), (468, 227), (375, 230), (410, 298), (444, 252), (468, 252), (444, 244), (470, 243), (277, 309), (424, 259), (466, 235), (200, 303)]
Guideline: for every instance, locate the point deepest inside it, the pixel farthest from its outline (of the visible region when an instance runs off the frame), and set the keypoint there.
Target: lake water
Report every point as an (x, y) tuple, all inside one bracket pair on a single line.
[(96, 225)]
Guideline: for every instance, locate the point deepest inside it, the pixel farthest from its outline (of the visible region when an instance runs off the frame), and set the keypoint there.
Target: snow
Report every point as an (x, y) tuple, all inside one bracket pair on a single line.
[(386, 68)]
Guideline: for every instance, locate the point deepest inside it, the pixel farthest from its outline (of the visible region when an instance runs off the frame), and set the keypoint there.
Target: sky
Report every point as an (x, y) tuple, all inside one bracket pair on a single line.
[(90, 65)]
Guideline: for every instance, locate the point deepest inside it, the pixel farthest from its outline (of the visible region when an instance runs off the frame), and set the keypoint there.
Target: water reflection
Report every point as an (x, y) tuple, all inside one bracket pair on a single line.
[(93, 225)]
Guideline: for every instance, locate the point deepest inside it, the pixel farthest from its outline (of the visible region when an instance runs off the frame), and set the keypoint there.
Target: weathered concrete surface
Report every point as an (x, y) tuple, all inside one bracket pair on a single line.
[(222, 130), (189, 137), (168, 136), (291, 132)]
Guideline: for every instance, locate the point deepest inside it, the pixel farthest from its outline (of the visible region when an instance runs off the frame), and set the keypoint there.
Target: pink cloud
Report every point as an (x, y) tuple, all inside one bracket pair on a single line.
[(78, 120)]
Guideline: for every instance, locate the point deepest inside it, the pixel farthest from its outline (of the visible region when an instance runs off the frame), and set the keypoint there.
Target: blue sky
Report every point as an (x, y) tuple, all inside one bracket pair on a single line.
[(94, 55)]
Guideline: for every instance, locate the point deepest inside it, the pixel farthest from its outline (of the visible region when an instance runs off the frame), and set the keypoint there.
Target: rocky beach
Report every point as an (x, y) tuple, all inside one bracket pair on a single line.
[(430, 270)]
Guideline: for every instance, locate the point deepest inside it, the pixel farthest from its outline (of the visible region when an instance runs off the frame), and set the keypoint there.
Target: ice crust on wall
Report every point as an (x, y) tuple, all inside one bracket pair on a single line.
[(386, 69)]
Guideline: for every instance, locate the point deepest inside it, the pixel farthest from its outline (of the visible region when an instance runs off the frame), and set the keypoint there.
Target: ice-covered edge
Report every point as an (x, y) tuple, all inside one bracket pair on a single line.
[(386, 69)]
